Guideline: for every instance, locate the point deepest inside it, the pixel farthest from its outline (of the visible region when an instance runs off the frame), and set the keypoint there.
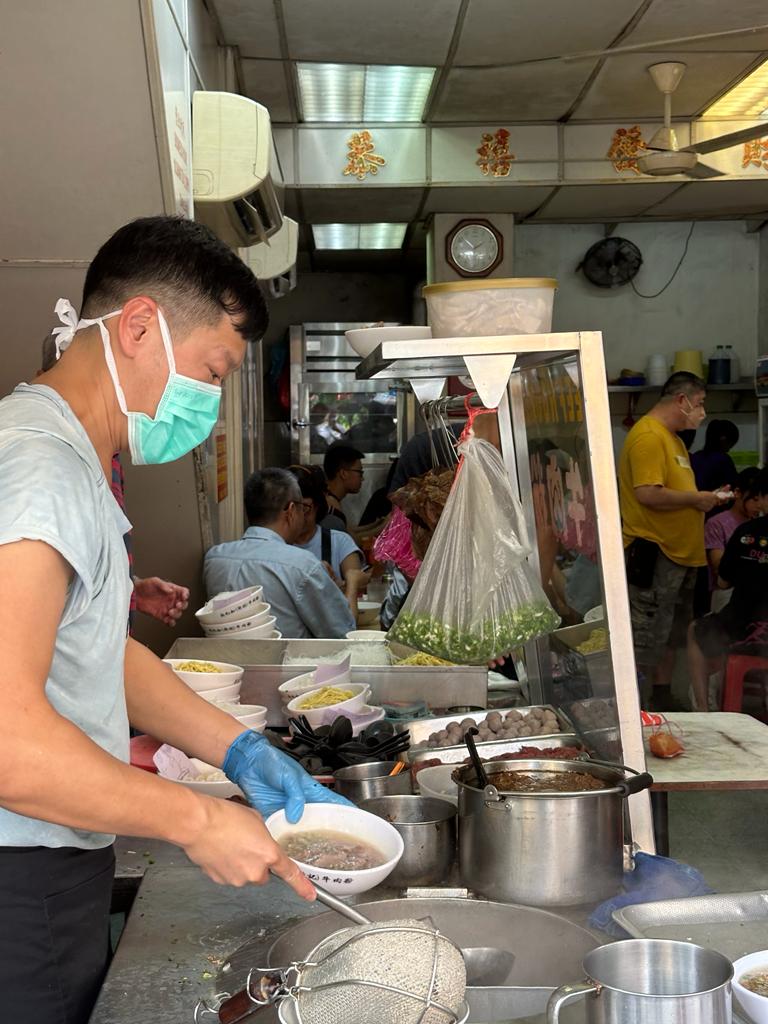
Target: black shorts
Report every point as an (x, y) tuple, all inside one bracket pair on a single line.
[(54, 932)]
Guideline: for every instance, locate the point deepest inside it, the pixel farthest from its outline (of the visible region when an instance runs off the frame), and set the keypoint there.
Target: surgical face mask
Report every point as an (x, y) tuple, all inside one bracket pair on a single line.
[(696, 414), (186, 413)]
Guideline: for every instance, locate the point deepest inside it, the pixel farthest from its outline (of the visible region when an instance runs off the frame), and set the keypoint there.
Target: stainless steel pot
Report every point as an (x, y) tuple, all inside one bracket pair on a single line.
[(365, 781), (651, 981), (544, 849), (428, 828)]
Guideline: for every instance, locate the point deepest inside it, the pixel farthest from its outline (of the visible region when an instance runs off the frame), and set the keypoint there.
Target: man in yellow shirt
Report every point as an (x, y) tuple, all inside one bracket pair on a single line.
[(663, 520)]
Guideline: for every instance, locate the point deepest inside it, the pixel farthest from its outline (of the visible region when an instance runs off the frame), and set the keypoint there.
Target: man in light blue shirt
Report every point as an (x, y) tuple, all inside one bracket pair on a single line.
[(305, 601)]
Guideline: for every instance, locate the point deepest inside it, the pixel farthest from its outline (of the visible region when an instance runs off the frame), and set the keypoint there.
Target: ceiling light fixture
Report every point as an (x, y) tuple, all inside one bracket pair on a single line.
[(358, 92), (748, 99), (358, 236)]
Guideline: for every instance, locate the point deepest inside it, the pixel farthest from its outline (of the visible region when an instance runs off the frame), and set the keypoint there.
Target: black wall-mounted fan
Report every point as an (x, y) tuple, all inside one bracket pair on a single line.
[(611, 262)]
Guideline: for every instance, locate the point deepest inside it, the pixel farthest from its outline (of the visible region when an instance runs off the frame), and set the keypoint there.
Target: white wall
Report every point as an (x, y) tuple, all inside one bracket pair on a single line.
[(713, 299)]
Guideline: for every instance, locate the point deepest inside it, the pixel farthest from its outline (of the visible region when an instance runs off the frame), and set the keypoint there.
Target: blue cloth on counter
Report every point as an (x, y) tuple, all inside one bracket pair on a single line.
[(305, 601), (654, 878), (53, 489)]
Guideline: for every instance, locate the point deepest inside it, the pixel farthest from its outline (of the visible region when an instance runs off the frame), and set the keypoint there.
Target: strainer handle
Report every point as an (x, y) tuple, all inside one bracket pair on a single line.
[(242, 1004)]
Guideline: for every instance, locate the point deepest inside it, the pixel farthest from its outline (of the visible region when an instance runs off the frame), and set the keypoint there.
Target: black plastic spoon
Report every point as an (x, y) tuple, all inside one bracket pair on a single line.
[(477, 764)]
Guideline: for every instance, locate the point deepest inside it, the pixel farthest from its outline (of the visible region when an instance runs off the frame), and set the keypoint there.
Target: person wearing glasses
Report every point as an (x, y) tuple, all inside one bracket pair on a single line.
[(344, 475), (305, 601)]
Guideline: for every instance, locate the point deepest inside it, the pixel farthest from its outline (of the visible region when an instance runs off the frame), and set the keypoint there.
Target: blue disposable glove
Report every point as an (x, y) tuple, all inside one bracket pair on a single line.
[(271, 780)]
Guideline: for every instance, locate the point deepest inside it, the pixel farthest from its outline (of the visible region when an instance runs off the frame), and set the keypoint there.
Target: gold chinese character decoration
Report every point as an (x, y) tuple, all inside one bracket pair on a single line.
[(627, 144), (756, 154), (361, 159), (493, 156)]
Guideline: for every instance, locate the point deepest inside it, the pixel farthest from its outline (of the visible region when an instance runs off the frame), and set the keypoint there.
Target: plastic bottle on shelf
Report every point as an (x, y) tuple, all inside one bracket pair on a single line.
[(735, 367), (719, 366)]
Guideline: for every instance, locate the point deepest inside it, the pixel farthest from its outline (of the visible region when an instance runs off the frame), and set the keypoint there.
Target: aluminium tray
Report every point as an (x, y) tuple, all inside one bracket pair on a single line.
[(421, 729), (734, 923)]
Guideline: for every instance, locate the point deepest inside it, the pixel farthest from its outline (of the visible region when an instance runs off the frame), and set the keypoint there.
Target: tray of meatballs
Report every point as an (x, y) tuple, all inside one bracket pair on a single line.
[(505, 730)]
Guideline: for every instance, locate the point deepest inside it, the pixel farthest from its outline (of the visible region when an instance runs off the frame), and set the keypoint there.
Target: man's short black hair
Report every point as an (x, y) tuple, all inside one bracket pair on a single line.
[(193, 276), (683, 383), (340, 456), (720, 436), (311, 481), (267, 492)]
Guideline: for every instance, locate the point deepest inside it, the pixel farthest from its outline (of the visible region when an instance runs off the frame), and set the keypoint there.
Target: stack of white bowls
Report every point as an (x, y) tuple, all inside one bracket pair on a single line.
[(221, 685), (238, 615)]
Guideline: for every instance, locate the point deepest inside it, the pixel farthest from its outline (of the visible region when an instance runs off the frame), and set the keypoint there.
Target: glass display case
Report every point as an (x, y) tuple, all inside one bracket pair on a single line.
[(555, 439)]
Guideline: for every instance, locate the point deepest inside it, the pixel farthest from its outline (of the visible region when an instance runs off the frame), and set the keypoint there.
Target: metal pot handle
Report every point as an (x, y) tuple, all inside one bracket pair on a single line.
[(636, 784), (567, 994)]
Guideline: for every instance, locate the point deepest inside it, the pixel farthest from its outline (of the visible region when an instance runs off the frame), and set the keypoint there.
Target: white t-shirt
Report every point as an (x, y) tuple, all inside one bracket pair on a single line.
[(53, 489), (341, 546)]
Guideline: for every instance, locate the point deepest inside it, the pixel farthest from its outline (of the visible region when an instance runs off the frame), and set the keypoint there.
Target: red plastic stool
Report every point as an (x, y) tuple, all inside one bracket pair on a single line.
[(737, 666)]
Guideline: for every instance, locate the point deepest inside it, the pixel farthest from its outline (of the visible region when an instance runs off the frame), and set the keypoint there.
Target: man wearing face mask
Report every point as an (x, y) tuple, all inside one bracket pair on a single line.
[(663, 520), (166, 315)]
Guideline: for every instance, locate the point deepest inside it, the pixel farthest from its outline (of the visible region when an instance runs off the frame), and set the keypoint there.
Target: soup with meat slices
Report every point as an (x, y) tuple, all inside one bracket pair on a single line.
[(335, 851)]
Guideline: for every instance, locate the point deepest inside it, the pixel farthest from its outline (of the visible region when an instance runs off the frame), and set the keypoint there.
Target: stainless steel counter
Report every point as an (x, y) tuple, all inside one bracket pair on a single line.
[(183, 926)]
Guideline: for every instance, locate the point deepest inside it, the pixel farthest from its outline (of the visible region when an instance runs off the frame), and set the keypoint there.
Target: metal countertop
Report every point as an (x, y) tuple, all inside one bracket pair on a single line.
[(183, 926)]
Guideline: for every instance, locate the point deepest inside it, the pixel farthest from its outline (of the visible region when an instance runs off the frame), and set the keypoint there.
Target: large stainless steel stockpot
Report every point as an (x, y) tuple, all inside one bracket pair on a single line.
[(544, 849)]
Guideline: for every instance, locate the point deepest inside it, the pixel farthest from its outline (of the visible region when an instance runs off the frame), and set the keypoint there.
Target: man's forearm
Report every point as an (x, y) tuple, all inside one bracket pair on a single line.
[(160, 704), (665, 498), (49, 769)]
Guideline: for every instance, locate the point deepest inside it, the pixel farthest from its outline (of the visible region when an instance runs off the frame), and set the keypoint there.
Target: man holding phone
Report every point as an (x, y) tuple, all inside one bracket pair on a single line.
[(663, 520)]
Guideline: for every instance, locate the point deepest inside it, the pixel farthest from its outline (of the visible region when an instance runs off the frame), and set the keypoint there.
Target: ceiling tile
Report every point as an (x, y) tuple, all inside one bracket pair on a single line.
[(715, 198), (396, 32), (672, 19), (249, 24), (598, 202), (264, 82), (357, 206), (624, 90), (519, 200), (502, 32), (534, 92)]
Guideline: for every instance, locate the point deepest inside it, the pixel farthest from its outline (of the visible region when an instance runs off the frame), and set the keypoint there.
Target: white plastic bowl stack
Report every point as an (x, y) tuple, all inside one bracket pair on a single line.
[(239, 615), (222, 685)]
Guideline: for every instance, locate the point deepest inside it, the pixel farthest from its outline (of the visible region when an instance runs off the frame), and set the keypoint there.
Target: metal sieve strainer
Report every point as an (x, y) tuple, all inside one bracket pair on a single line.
[(390, 972)]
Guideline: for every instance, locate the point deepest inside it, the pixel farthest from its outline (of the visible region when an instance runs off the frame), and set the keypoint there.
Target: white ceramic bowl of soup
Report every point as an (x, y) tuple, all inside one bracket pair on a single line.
[(754, 1005), (229, 606), (352, 823), (220, 674), (231, 694), (220, 787), (262, 613), (317, 716)]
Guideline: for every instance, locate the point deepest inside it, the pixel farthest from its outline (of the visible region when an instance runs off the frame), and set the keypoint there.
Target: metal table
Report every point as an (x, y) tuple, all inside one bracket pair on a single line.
[(723, 750)]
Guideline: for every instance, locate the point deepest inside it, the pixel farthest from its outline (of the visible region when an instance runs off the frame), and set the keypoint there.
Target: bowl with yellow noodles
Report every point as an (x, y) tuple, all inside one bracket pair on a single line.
[(322, 705), (199, 674)]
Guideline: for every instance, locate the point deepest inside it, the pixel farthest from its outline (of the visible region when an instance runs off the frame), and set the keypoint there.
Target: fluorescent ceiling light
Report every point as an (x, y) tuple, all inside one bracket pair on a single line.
[(358, 236), (748, 99), (358, 92)]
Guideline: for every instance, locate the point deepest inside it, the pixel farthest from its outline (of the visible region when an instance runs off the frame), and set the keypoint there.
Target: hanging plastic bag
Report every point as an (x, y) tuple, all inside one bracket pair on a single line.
[(476, 597), (394, 545)]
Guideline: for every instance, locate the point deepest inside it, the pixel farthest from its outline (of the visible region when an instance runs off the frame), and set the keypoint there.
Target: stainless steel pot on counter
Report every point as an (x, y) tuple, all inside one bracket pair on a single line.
[(544, 848), (651, 981)]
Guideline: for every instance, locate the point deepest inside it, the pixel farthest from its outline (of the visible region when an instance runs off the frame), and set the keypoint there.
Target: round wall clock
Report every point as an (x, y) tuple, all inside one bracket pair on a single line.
[(474, 248)]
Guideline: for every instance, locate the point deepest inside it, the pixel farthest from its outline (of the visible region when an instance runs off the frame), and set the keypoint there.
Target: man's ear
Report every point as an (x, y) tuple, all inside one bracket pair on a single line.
[(135, 324)]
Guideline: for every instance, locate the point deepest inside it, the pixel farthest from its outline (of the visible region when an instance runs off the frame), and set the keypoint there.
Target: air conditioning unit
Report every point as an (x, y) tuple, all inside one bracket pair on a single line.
[(277, 256), (232, 168)]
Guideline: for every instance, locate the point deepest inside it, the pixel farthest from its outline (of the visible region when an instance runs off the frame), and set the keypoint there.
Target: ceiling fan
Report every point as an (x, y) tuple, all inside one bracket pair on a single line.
[(663, 156)]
